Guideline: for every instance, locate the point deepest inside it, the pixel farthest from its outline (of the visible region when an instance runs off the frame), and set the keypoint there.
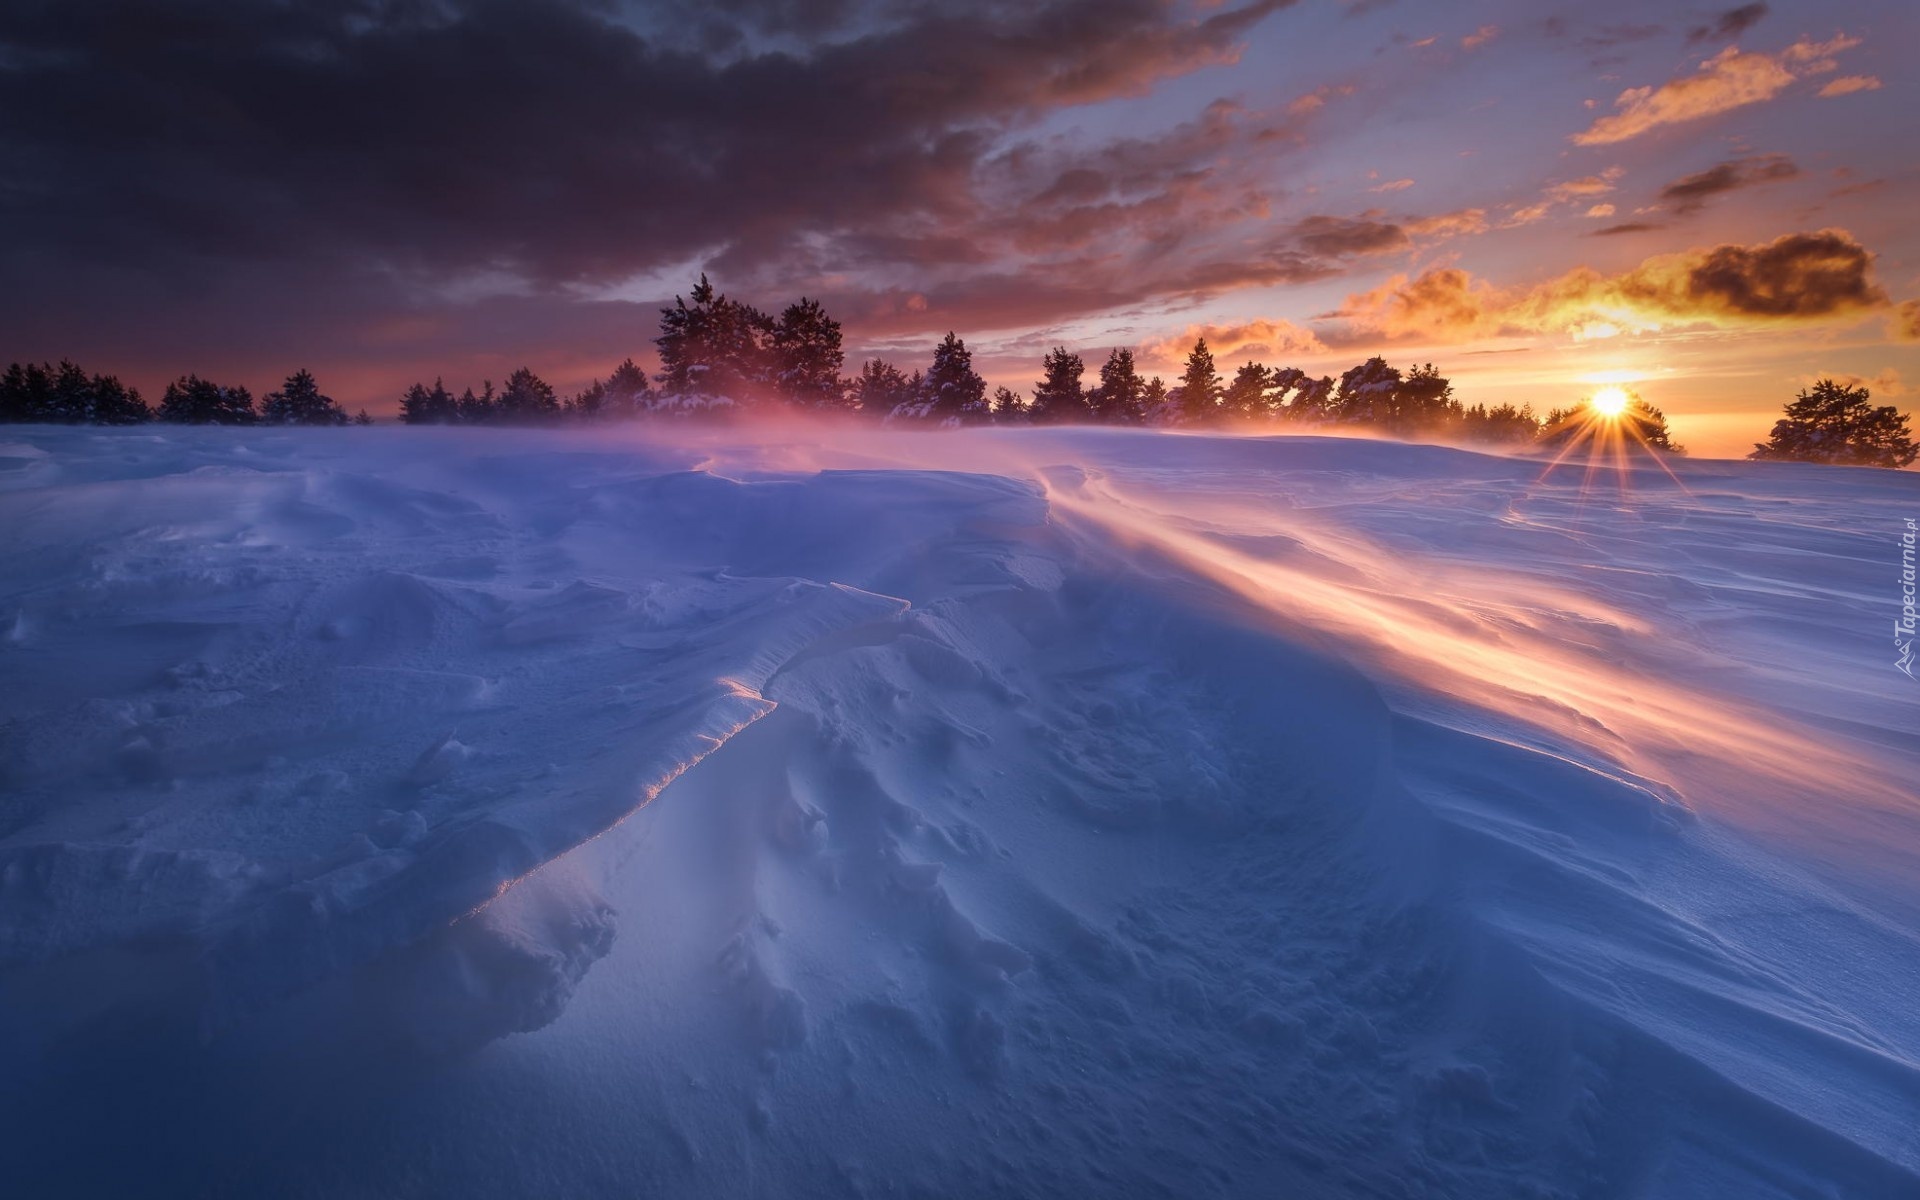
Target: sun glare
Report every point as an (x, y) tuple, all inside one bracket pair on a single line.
[(1609, 402)]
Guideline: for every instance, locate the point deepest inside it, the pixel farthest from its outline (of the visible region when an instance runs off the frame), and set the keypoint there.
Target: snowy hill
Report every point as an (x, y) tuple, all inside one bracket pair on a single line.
[(832, 812)]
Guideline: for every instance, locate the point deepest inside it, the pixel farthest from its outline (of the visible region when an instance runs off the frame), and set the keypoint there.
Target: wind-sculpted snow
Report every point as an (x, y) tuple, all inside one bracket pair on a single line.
[(831, 812)]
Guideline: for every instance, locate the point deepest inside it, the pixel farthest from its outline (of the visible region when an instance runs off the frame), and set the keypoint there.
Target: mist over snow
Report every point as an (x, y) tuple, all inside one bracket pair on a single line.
[(811, 810)]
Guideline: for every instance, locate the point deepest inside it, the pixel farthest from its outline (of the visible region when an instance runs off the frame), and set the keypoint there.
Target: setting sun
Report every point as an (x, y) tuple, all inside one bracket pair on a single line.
[(1609, 402)]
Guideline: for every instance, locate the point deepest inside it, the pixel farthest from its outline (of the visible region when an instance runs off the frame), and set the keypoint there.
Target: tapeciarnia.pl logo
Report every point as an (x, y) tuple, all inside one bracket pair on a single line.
[(1903, 626)]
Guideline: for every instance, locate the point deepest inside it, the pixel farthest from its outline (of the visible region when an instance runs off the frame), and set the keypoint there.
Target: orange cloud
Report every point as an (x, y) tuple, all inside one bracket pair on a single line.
[(1317, 99), (1846, 85), (1392, 185), (1727, 81), (1592, 185), (1802, 278), (1278, 339), (1906, 322), (1564, 193), (1479, 37), (1600, 210), (1459, 223)]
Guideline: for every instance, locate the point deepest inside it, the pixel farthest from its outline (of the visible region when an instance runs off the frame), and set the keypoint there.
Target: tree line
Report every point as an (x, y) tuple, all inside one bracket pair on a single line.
[(66, 395), (719, 355)]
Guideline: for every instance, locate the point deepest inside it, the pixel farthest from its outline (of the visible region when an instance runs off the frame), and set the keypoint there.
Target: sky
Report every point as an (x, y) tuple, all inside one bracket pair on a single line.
[(1711, 204)]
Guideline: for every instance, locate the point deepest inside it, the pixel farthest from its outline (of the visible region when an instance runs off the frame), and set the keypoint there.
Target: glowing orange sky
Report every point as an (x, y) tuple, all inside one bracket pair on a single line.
[(1711, 205)]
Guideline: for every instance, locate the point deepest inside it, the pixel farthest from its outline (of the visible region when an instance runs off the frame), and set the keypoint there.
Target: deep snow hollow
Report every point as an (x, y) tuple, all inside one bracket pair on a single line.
[(816, 811)]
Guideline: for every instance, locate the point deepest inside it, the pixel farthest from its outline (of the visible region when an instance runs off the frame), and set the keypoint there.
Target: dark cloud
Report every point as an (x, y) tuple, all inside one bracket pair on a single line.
[(1729, 24), (1690, 194), (1340, 237), (543, 145), (1799, 276), (1626, 227), (1602, 37)]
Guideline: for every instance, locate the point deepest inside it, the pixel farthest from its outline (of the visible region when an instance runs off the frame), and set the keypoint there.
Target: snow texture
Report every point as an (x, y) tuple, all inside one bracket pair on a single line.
[(821, 812)]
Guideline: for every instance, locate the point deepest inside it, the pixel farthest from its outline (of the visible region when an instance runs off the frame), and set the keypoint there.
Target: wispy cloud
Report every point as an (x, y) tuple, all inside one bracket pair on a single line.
[(1727, 81), (1690, 194), (1729, 24), (1846, 85)]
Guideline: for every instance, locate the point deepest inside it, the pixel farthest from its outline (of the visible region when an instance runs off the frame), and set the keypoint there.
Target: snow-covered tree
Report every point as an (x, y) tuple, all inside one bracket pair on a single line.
[(300, 402), (1833, 422), (1366, 394), (1311, 401), (191, 400), (714, 352), (951, 393), (1058, 398)]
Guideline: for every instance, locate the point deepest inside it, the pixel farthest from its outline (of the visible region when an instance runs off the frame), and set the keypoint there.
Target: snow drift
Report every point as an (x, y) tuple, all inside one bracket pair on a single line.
[(836, 812)]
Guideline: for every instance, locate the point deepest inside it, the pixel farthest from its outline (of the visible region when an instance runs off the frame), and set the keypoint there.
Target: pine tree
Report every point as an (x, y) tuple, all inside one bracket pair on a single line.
[(1200, 389), (1157, 404), (1835, 423), (1651, 425), (880, 388), (714, 352), (477, 410), (70, 398), (952, 393), (1580, 427), (1501, 424), (1008, 407), (191, 400), (299, 402), (1246, 396), (26, 393), (627, 391), (1367, 394), (1423, 403), (1312, 401), (1121, 397), (1058, 398), (361, 418), (420, 406), (590, 404), (527, 398), (807, 357), (114, 403)]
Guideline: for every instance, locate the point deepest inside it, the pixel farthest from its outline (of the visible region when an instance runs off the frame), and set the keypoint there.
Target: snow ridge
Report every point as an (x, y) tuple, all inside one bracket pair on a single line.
[(1054, 813)]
